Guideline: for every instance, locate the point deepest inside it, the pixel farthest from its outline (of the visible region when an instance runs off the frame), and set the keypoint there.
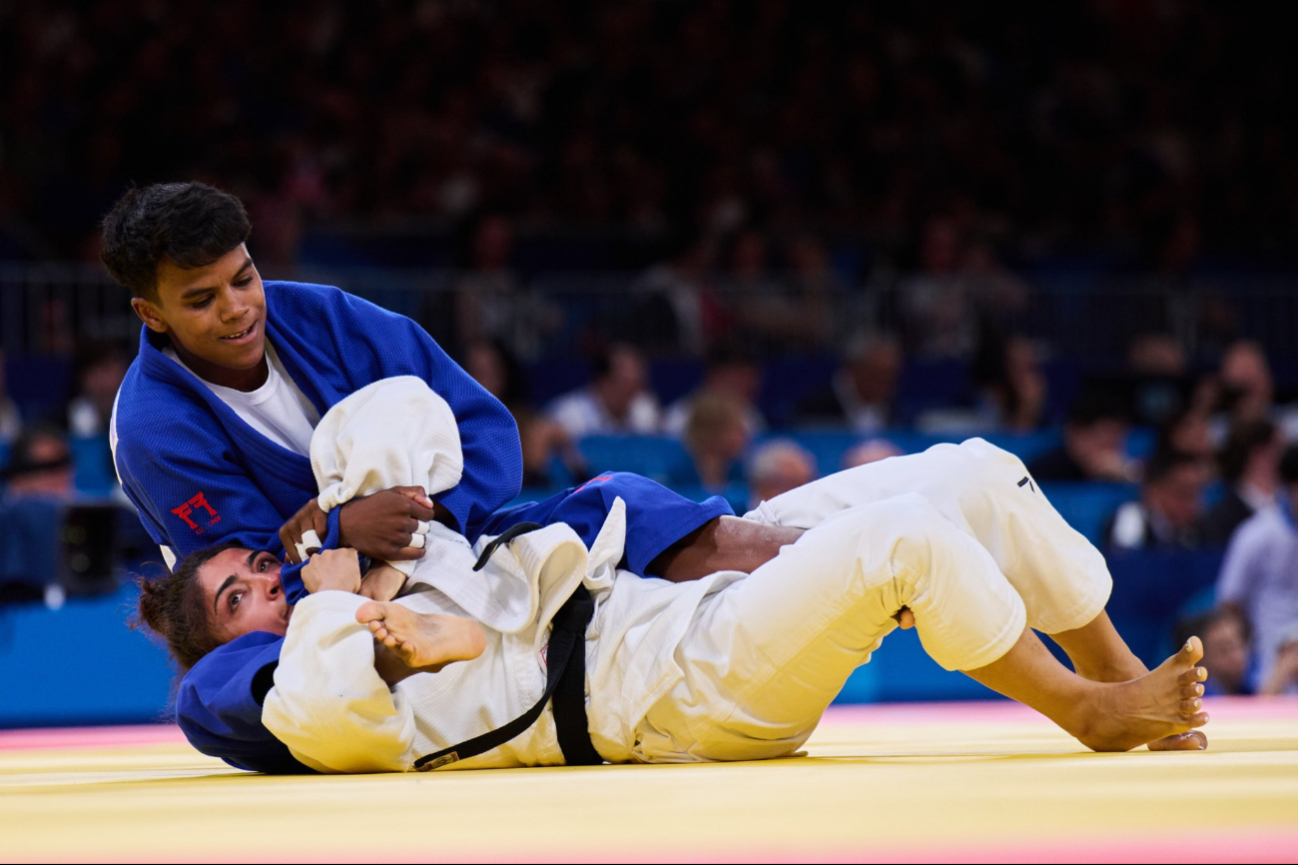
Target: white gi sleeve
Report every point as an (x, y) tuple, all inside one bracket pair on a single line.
[(328, 705)]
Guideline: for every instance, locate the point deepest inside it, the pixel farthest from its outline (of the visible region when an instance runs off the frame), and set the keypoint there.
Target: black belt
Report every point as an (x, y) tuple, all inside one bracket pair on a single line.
[(565, 682)]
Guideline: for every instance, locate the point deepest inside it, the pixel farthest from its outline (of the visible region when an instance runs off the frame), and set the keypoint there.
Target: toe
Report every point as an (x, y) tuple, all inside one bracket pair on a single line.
[(1199, 719), (368, 612), (1192, 675), (1192, 651), (1189, 741), (1189, 707)]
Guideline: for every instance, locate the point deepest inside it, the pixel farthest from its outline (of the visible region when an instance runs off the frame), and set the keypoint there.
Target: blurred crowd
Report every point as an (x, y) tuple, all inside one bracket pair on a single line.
[(770, 163), (1156, 127)]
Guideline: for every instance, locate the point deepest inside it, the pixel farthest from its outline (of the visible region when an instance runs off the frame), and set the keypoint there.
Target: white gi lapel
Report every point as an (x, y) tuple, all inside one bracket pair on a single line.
[(393, 432)]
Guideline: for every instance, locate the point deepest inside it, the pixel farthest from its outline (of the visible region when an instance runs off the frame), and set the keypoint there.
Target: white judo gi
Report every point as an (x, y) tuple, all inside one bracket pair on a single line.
[(731, 667)]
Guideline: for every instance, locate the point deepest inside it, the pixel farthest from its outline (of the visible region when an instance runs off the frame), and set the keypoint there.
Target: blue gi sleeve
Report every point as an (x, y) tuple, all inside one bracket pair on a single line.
[(218, 705), (190, 495)]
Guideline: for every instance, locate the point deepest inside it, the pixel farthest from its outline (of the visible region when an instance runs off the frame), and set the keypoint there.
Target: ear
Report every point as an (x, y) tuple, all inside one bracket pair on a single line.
[(149, 314)]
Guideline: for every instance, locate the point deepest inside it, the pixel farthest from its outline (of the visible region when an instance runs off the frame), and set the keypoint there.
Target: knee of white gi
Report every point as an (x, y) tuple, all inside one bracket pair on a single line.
[(966, 612), (983, 457), (922, 538)]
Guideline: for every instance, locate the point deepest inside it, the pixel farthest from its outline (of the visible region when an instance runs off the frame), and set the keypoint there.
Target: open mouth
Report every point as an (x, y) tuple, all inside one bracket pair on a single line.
[(235, 337)]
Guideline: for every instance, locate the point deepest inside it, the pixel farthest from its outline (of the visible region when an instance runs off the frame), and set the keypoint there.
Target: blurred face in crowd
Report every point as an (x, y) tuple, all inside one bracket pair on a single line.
[(56, 482), (1225, 648), (101, 380), (716, 430), (493, 243), (625, 379), (215, 317), (784, 469), (242, 593), (1192, 434), (1156, 354), (875, 372), (870, 452), (1096, 446), (484, 364), (740, 380), (1245, 370), (941, 251), (749, 256), (1264, 460), (1179, 495)]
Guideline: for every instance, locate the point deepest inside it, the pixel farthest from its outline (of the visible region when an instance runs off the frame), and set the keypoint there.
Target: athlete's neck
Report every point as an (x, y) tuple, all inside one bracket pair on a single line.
[(245, 380)]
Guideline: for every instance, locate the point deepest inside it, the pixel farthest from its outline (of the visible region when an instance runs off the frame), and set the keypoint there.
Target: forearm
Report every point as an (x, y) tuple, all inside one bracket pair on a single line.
[(723, 544)]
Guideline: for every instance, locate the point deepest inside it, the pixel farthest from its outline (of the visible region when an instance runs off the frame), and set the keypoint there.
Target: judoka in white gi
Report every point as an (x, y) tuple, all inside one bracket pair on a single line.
[(733, 666)]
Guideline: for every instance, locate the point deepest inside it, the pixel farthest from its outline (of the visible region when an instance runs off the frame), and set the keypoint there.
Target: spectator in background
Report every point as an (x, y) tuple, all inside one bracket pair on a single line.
[(1188, 431), (1225, 635), (1259, 575), (11, 422), (862, 392), (716, 437), (776, 316), (731, 371), (814, 288), (100, 370), (617, 401), (940, 319), (676, 306), (1094, 447), (1167, 516), (1283, 678), (1246, 391), (1009, 375), (1157, 369), (776, 467), (1247, 388), (1157, 355), (40, 466), (543, 441), (870, 451), (492, 303), (1250, 468)]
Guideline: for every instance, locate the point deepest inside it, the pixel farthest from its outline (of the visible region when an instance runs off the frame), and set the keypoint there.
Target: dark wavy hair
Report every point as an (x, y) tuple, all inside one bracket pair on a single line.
[(192, 224), (173, 607)]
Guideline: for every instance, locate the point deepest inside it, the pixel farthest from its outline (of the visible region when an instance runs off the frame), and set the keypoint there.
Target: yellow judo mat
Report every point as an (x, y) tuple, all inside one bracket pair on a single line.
[(968, 782)]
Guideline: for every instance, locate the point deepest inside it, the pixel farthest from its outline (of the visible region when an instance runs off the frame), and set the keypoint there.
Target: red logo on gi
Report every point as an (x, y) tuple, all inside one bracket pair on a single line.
[(198, 502)]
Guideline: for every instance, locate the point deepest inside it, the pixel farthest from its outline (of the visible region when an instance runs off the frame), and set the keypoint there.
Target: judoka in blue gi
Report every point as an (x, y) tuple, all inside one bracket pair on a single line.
[(212, 428)]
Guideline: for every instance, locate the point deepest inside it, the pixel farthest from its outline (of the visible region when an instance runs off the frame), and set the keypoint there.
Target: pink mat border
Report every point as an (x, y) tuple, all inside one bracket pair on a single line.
[(1242, 845)]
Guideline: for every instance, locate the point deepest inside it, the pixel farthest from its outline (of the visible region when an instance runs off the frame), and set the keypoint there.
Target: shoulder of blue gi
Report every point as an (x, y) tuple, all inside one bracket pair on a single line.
[(218, 706)]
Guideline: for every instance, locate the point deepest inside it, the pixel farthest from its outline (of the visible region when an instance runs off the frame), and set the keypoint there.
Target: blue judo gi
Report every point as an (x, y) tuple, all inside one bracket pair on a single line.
[(200, 475)]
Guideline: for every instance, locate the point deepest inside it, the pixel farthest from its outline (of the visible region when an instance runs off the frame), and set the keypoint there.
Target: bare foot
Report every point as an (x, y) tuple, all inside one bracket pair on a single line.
[(1163, 704), (425, 641)]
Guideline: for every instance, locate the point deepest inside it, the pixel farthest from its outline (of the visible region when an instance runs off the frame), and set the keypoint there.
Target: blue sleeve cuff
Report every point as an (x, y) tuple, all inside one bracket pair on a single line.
[(290, 576)]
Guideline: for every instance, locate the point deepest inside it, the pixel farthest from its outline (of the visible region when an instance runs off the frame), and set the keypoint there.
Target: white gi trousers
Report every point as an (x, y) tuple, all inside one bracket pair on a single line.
[(959, 534), (730, 667)]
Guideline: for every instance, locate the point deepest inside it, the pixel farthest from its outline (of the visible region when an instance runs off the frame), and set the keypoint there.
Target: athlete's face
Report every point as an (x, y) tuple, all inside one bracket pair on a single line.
[(215, 316), (243, 594)]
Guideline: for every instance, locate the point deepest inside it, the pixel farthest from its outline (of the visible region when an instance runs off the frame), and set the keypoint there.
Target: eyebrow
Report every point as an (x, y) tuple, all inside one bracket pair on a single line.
[(194, 292), (252, 557)]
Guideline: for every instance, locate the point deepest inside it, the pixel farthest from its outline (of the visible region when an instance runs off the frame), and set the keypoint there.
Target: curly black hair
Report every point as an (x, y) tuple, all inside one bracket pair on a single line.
[(192, 224)]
